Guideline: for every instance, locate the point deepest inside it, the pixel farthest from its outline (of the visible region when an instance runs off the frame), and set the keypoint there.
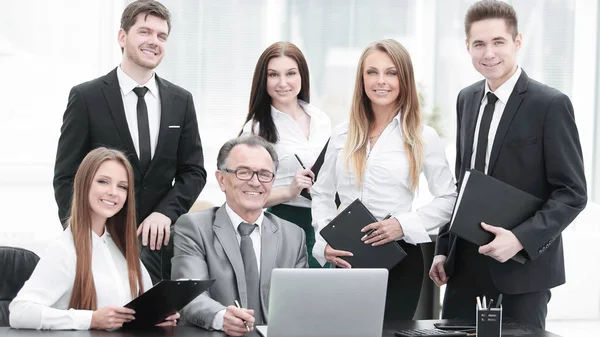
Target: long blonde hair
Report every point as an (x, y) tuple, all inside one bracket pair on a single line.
[(362, 116), (122, 228)]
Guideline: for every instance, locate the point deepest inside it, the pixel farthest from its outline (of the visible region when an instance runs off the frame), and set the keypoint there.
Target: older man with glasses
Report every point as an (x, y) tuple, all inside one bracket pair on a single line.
[(238, 244)]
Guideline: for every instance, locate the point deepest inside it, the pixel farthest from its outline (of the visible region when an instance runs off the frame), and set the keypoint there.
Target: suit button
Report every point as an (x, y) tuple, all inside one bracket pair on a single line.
[(144, 188)]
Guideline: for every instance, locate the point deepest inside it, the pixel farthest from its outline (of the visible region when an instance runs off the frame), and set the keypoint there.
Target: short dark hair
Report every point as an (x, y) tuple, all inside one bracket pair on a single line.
[(259, 109), (251, 141), (148, 7), (492, 9)]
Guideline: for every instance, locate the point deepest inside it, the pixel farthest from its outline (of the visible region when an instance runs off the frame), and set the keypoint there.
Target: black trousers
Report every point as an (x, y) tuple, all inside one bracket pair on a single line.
[(471, 278), (404, 285), (157, 262)]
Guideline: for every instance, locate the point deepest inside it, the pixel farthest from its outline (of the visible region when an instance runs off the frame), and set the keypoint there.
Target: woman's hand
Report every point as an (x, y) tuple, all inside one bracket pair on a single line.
[(385, 231), (303, 179), (111, 317), (170, 321), (333, 256)]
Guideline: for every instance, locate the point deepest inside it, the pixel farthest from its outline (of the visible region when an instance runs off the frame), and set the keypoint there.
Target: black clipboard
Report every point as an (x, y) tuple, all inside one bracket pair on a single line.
[(343, 233), (315, 169), (164, 299), (484, 198)]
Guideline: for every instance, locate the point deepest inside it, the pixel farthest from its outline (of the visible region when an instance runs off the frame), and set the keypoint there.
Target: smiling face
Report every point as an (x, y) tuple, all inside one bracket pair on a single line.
[(493, 50), (246, 198), (283, 81), (381, 80), (143, 45), (108, 191)]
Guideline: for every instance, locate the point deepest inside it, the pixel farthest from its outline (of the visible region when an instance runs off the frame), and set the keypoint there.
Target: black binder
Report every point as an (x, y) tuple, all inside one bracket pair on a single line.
[(485, 199), (164, 299), (315, 169), (343, 233)]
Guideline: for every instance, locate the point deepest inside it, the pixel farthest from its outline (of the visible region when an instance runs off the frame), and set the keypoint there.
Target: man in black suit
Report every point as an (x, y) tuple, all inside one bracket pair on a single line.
[(521, 132), (151, 120)]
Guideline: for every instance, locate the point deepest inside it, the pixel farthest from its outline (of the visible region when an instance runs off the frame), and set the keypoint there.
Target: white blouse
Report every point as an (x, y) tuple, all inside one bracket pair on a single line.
[(292, 141), (386, 187), (43, 302)]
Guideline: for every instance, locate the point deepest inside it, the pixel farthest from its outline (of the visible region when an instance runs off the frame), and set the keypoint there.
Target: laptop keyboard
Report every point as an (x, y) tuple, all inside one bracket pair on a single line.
[(429, 333)]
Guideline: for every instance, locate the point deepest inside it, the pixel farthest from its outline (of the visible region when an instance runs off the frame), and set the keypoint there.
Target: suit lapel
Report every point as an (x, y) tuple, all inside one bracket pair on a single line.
[(514, 101), (166, 118), (270, 241), (472, 112), (112, 94), (223, 229)]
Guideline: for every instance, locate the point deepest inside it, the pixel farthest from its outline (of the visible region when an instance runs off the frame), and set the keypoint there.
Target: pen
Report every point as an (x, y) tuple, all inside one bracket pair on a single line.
[(302, 164), (479, 303), (372, 230), (491, 302), (499, 301), (237, 304), (484, 303)]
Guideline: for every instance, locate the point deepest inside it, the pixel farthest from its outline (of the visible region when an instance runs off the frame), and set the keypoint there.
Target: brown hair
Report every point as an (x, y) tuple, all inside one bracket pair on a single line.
[(259, 110), (148, 7), (492, 9), (362, 117), (122, 228)]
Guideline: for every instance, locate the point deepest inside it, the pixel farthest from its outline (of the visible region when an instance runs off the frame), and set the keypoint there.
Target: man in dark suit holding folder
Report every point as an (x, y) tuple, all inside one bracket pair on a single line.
[(523, 133)]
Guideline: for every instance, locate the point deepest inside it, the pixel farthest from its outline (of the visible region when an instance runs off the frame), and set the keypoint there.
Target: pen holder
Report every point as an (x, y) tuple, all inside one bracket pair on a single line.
[(489, 322)]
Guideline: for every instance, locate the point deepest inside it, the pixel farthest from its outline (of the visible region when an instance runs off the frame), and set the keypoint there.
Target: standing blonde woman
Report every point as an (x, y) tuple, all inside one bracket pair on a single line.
[(377, 157), (86, 276)]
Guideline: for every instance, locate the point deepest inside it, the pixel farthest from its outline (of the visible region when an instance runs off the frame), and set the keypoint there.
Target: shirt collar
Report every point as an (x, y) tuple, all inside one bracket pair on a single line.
[(127, 83), (503, 92), (103, 238), (236, 220), (305, 106)]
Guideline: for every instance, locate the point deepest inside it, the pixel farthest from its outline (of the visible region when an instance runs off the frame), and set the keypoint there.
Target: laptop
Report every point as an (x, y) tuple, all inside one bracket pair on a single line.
[(326, 302)]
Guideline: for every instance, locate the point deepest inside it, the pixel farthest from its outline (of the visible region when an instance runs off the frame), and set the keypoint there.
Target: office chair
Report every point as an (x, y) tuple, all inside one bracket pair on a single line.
[(17, 265)]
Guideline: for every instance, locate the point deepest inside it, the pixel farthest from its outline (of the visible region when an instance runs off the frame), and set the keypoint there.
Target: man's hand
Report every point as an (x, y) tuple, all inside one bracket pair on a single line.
[(384, 232), (155, 228), (503, 247), (437, 273), (233, 321)]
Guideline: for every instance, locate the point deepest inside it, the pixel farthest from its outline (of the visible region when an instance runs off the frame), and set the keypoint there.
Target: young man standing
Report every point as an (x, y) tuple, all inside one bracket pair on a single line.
[(151, 120), (523, 133)]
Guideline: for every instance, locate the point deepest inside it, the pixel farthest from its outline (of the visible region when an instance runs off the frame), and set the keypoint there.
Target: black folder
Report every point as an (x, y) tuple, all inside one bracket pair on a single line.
[(485, 199), (343, 233), (315, 169), (164, 299)]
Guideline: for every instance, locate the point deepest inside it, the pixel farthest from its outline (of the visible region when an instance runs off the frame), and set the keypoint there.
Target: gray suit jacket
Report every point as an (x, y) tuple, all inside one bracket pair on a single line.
[(205, 247)]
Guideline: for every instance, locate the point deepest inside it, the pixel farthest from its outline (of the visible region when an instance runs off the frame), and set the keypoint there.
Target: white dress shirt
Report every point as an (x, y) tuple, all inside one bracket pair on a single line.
[(236, 220), (130, 100), (503, 93), (292, 141), (386, 186), (43, 302)]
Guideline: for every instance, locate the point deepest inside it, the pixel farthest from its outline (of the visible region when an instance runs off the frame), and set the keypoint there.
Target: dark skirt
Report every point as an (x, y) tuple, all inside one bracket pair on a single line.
[(404, 284), (302, 217)]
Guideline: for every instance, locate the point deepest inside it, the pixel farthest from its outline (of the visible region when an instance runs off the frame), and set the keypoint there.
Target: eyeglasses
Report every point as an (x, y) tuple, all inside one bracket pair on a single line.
[(246, 174)]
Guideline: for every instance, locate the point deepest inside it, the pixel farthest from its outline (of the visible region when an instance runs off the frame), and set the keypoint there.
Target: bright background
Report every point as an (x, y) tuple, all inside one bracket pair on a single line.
[(46, 47)]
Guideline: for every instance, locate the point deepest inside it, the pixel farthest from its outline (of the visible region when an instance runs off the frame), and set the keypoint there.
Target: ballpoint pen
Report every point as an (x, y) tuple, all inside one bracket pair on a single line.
[(237, 304), (372, 230), (302, 164)]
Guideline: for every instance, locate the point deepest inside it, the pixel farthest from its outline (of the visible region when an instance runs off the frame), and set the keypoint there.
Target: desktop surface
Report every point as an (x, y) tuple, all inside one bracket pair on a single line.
[(190, 331)]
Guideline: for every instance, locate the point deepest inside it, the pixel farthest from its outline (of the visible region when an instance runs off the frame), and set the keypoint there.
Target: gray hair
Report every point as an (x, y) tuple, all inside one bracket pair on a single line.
[(251, 141)]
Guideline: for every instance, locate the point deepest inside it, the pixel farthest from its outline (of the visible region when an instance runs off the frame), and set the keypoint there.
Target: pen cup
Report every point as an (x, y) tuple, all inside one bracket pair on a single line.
[(489, 322)]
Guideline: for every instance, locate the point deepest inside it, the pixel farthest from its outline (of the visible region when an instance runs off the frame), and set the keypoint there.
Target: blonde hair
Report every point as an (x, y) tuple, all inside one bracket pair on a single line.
[(362, 117), (121, 226)]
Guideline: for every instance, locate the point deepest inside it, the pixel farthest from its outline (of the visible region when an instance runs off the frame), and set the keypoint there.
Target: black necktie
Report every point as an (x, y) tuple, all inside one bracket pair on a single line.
[(143, 128), (484, 130), (251, 270)]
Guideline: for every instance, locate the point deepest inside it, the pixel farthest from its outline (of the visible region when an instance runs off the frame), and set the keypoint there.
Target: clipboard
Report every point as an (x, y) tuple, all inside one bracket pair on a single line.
[(164, 299), (343, 233), (316, 167)]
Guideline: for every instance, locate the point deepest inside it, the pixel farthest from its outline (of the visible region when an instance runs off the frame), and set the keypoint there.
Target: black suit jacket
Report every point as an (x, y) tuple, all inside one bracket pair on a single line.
[(537, 150), (95, 117)]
